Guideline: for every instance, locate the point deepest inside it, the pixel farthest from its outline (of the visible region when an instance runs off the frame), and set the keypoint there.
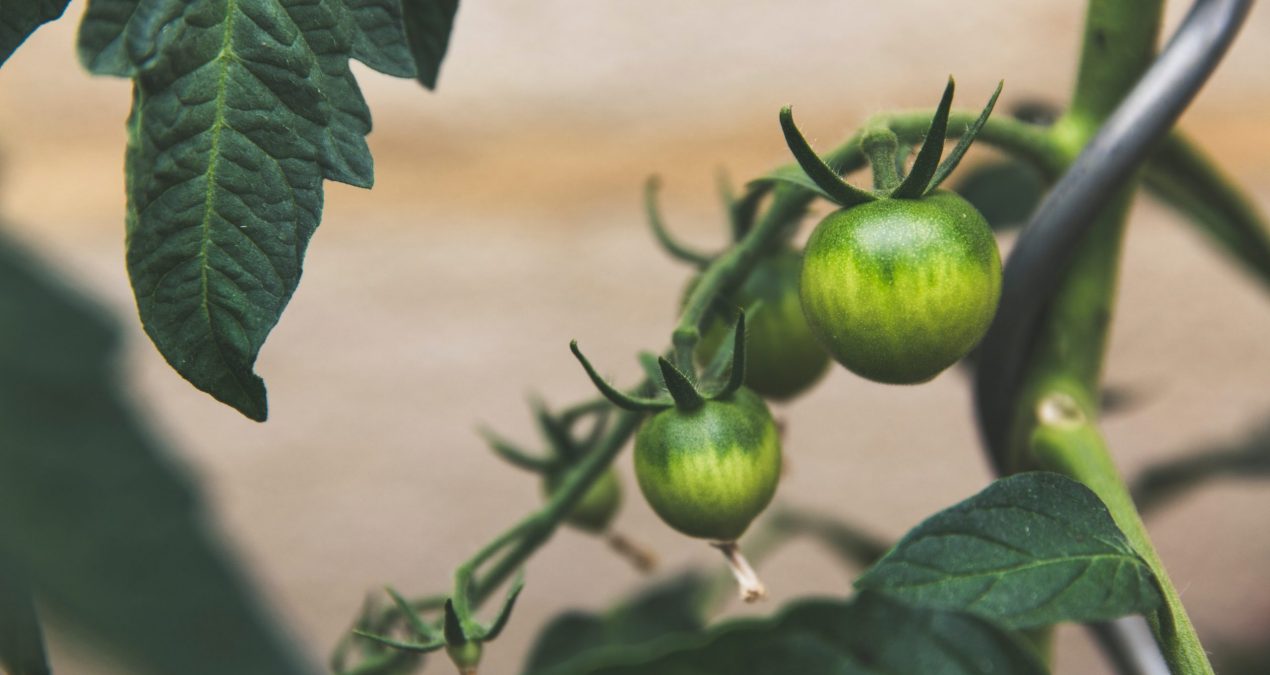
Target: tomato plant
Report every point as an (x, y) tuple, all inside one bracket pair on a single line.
[(241, 111)]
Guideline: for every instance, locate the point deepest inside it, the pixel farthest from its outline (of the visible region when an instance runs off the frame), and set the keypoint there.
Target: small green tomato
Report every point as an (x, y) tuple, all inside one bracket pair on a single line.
[(710, 470), (783, 356), (900, 289), (598, 505)]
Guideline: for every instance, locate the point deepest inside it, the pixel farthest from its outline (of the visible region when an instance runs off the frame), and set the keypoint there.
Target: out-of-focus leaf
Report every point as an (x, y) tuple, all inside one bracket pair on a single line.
[(1182, 176), (1005, 191), (241, 109), (20, 18), (1029, 550), (21, 639), (428, 27), (869, 635), (670, 607), (110, 533)]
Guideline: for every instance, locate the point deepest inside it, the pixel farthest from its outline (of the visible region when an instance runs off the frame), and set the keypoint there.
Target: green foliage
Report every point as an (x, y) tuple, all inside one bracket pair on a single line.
[(20, 18), (241, 108), (21, 639), (576, 638), (428, 25), (869, 635), (110, 533), (1030, 550)]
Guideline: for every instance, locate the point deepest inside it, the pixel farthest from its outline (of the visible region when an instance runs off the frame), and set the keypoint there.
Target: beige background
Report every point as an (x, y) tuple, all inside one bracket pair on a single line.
[(506, 221)]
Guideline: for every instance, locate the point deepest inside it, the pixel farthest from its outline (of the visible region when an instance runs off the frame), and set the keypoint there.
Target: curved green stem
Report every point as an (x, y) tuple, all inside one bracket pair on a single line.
[(1055, 422)]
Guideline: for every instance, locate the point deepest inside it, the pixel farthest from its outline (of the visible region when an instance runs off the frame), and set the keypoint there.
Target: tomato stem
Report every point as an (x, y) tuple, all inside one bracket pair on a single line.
[(880, 146), (638, 556), (751, 588)]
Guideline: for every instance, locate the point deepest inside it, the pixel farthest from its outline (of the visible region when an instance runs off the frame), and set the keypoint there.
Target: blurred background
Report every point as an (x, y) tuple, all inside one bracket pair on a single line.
[(506, 220)]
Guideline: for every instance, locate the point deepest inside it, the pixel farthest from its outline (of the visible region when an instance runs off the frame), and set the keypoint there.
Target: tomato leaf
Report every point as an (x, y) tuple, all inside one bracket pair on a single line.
[(428, 27), (110, 533), (667, 608), (1029, 550), (869, 635), (241, 109), (20, 18)]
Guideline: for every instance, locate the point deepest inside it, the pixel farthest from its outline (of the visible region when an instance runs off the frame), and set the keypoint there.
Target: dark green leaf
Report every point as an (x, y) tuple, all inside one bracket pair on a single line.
[(1030, 550), (428, 26), (241, 109), (110, 532), (21, 639), (1183, 177), (867, 636), (670, 607), (20, 18)]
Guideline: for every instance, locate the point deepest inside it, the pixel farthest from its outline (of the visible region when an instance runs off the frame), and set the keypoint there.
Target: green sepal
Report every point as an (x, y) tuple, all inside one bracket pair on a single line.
[(737, 377), (927, 162), (663, 236), (815, 168), (790, 174), (553, 429), (954, 158), (514, 455), (619, 398), (680, 386), (453, 625), (414, 647), (412, 617), (505, 612)]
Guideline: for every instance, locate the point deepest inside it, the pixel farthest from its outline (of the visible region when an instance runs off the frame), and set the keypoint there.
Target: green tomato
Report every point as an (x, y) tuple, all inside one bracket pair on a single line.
[(709, 471), (783, 357), (900, 289), (598, 505)]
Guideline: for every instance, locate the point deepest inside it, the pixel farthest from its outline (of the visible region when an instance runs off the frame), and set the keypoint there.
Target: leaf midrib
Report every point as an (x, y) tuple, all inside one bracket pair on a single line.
[(950, 577), (223, 58)]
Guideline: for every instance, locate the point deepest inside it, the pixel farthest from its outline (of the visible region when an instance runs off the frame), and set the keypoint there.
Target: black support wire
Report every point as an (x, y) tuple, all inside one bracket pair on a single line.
[(1045, 247)]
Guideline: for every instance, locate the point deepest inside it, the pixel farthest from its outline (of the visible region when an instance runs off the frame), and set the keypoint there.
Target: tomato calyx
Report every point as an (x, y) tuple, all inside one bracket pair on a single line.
[(880, 146), (675, 387), (459, 634)]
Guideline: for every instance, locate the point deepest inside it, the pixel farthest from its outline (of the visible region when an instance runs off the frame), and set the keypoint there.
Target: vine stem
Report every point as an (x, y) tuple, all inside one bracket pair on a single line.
[(521, 540), (752, 588), (1036, 395)]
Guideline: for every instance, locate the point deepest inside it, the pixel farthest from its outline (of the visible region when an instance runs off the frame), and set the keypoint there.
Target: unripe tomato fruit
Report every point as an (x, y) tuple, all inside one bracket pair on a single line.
[(710, 470), (597, 507), (783, 357), (900, 289)]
